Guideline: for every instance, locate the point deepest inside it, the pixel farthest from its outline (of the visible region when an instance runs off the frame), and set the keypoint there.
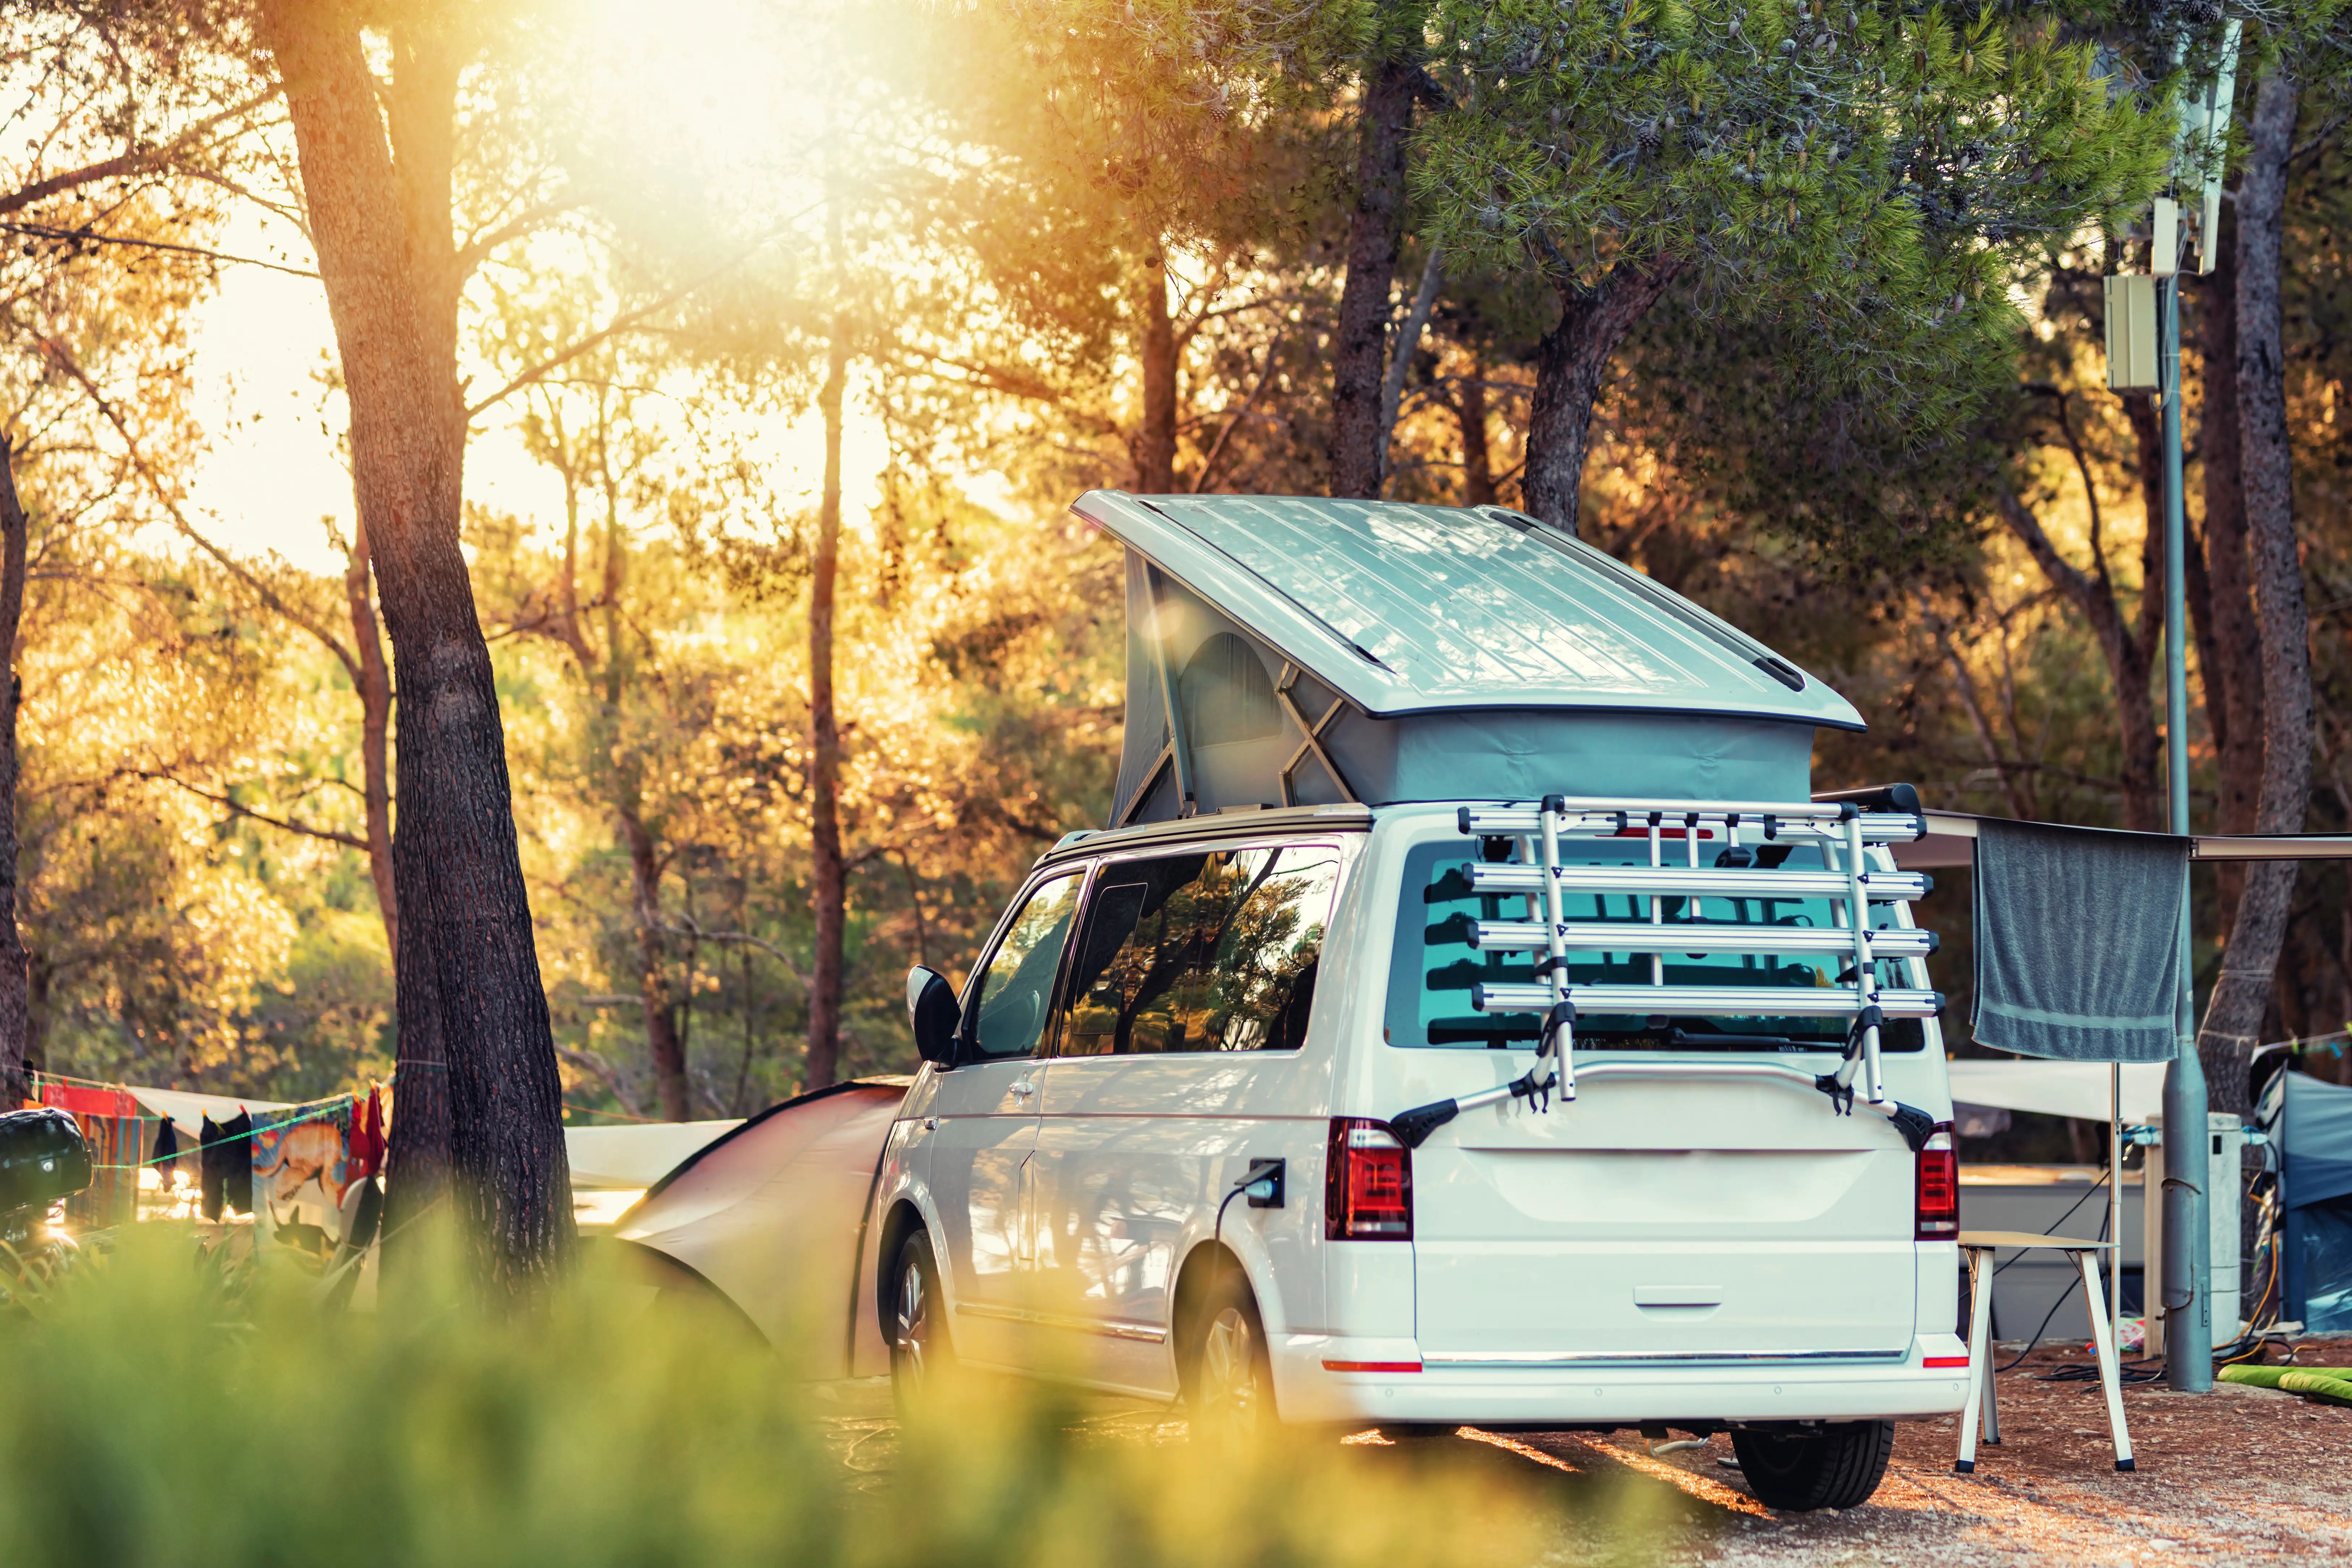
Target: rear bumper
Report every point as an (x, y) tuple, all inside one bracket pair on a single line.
[(1589, 1392)]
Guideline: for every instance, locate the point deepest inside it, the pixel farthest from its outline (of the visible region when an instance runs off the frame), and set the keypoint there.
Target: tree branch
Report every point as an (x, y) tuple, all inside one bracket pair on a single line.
[(472, 253), (619, 325), (62, 357), (605, 1073), (283, 823), (49, 231), (1217, 448), (687, 925), (134, 162)]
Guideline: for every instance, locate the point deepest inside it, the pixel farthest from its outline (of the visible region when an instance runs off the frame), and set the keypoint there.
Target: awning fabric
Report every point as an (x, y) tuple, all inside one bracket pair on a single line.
[(637, 1155), (2059, 1088)]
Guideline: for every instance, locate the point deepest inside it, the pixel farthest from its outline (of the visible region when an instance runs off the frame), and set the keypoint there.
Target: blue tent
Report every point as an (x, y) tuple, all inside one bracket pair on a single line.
[(2310, 1125)]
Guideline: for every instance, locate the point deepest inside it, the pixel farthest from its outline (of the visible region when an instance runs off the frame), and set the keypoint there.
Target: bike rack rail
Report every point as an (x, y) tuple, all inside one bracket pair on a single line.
[(1842, 831)]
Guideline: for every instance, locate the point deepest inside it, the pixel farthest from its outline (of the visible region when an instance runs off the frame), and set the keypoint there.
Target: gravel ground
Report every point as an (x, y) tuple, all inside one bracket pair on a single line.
[(2241, 1475)]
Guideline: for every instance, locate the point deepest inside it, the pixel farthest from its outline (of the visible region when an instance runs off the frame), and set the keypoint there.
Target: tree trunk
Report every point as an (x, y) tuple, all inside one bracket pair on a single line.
[(2128, 655), (1375, 234), (2133, 659), (662, 1041), (824, 763), (16, 977), (417, 1165), (1477, 457), (1570, 361), (1408, 344), (376, 736), (1155, 439), (2233, 666), (382, 230), (2234, 1016)]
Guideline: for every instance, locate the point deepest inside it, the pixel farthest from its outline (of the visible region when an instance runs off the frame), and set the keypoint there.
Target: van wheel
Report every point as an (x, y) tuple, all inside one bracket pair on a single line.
[(919, 1340), (1837, 1466), (1228, 1378)]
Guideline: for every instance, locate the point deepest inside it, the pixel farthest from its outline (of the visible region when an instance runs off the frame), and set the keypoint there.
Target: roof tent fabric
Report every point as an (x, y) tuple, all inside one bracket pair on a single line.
[(2310, 1124), (2077, 941), (1312, 652)]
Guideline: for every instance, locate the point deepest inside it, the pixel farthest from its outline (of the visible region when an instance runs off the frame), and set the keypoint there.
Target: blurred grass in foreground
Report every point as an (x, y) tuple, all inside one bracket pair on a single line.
[(147, 1418)]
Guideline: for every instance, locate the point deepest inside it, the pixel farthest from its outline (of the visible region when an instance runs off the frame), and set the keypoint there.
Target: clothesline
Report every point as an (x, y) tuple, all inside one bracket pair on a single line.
[(43, 1075), (2334, 1039)]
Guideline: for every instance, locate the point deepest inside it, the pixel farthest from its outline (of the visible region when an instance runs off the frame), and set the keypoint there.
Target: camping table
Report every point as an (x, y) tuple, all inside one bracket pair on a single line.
[(1979, 1245)]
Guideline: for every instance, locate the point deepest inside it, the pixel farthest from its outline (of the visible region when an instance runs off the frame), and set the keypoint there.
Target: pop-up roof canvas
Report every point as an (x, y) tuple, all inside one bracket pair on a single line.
[(1313, 652)]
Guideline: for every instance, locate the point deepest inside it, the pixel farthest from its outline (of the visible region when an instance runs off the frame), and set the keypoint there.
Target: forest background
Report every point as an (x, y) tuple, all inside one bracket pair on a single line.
[(787, 333)]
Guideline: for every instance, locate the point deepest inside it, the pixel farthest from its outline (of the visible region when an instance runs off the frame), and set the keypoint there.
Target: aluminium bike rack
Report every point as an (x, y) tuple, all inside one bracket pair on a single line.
[(1842, 830)]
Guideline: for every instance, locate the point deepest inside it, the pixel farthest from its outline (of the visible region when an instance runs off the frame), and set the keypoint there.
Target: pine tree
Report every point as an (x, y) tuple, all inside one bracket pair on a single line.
[(1868, 178)]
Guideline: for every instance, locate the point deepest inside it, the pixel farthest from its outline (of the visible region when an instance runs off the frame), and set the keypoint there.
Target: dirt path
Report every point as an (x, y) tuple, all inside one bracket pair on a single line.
[(2239, 1475)]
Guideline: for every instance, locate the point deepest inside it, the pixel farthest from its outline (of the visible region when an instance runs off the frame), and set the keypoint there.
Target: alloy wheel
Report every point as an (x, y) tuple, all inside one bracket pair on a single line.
[(912, 1340)]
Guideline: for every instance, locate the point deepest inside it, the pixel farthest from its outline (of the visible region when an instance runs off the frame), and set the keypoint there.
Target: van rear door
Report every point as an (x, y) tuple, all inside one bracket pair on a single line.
[(1685, 1218), (1664, 1219)]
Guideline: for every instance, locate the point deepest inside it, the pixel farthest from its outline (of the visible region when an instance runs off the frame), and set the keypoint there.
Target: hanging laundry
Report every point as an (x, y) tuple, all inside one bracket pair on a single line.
[(166, 1155), (366, 1152), (224, 1165), (300, 1169)]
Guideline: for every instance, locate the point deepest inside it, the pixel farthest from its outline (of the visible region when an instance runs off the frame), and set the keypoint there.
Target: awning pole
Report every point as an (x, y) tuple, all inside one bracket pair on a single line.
[(2115, 1210)]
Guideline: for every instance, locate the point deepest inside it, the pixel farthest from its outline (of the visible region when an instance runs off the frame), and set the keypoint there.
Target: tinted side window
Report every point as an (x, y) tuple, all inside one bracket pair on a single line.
[(1015, 990), (1212, 952)]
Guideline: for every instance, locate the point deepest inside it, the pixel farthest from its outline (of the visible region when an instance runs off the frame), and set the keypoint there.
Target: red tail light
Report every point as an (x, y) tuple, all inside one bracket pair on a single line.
[(1938, 1206), (1367, 1184)]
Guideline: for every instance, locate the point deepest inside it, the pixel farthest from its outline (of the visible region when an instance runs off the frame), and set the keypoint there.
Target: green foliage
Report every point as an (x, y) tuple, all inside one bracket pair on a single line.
[(1868, 178), (154, 1420)]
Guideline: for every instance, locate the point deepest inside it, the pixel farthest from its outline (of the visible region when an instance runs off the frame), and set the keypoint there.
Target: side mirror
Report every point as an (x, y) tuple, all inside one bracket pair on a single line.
[(931, 1009)]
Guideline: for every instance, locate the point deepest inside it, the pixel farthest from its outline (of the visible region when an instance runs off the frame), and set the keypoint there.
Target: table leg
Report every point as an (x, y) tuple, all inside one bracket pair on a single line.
[(2110, 1374), (1991, 1386), (1980, 1354)]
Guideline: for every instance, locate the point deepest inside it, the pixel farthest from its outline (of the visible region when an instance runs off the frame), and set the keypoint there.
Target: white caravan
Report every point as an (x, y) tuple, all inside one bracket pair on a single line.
[(1471, 1017)]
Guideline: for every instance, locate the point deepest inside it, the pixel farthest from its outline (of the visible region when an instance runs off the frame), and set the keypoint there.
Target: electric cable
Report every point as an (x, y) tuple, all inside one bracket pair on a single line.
[(1259, 1171)]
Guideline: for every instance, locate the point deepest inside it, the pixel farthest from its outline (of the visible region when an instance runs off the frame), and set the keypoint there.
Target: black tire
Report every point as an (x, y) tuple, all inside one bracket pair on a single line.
[(917, 1322), (1225, 1373), (1836, 1466)]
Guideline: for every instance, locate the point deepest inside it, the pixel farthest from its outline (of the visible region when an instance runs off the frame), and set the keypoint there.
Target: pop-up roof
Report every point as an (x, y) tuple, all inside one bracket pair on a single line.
[(1401, 652)]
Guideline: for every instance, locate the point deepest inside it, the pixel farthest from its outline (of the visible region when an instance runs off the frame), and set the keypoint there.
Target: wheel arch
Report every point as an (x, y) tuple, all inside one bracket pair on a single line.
[(1209, 1266), (903, 1220)]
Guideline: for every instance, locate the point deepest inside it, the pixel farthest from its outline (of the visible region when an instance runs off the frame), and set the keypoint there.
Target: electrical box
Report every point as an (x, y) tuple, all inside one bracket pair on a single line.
[(2225, 1195), (2164, 238), (2131, 333), (2226, 1142)]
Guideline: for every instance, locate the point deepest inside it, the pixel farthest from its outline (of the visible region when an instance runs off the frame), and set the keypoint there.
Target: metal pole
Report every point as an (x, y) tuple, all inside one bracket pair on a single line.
[(2188, 1301), (2116, 1212)]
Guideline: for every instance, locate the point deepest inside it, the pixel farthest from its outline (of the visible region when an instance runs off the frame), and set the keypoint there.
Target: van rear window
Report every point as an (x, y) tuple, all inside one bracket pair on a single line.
[(1435, 966)]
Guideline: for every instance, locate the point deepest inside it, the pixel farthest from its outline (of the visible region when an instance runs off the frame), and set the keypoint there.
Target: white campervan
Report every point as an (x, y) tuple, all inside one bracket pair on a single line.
[(1472, 1017)]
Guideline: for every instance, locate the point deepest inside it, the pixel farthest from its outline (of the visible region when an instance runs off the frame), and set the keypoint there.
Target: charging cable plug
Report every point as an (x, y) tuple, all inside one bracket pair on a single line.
[(1262, 1184)]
